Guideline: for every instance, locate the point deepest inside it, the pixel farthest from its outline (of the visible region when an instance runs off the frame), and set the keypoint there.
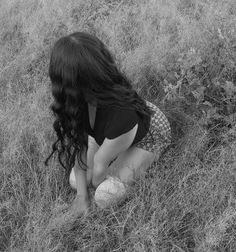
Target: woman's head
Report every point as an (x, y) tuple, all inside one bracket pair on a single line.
[(83, 70), (80, 63)]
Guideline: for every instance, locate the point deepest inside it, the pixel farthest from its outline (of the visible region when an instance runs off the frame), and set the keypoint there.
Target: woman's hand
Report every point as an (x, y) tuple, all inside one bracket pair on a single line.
[(79, 206), (66, 219)]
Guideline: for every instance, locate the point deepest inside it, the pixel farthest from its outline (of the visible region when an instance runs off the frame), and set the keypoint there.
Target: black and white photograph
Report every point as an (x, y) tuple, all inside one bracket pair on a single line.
[(117, 126)]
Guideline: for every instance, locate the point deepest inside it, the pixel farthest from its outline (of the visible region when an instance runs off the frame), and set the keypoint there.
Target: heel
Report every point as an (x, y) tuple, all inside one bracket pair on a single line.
[(111, 190)]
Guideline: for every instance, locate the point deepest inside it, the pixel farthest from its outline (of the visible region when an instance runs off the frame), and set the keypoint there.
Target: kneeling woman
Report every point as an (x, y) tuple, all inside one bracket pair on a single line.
[(104, 127)]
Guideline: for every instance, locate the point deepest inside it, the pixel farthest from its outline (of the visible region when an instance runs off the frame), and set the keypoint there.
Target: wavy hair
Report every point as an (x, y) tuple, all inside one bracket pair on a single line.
[(81, 65)]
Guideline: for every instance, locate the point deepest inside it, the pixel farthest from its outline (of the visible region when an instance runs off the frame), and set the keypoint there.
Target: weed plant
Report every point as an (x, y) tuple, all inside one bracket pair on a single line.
[(178, 54)]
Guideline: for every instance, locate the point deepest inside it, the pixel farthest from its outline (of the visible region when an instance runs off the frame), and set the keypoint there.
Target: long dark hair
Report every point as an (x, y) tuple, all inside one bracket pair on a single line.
[(81, 64)]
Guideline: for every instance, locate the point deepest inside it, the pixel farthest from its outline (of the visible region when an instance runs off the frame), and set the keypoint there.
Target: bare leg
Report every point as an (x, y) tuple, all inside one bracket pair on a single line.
[(128, 166), (132, 163)]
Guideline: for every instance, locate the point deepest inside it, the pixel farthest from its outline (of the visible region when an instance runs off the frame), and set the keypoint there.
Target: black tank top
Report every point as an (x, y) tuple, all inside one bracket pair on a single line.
[(111, 122)]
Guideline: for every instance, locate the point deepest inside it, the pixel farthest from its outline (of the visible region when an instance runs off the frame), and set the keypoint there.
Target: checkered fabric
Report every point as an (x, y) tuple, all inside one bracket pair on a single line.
[(160, 130)]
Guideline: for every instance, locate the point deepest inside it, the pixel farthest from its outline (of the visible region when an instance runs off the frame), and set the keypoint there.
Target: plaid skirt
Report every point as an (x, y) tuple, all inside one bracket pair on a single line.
[(158, 137)]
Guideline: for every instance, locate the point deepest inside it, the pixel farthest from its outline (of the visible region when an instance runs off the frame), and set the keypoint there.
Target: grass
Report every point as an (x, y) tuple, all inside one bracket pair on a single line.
[(187, 201)]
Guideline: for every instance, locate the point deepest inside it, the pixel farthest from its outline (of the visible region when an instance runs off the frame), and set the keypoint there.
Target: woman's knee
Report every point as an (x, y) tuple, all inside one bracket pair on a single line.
[(132, 163)]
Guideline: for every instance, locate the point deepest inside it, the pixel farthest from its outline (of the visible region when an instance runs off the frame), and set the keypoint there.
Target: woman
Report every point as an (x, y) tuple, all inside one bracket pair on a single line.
[(103, 126)]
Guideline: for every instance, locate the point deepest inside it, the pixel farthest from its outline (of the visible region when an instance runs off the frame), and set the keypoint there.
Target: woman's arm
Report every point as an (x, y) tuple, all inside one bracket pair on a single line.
[(86, 174), (80, 204), (80, 176), (108, 151), (92, 149)]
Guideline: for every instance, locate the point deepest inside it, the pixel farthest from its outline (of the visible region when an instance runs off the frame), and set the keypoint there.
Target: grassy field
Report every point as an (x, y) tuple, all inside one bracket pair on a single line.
[(181, 55)]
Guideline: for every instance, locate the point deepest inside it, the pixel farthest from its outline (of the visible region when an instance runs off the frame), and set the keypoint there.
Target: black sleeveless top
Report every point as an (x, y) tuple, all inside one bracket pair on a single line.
[(111, 122)]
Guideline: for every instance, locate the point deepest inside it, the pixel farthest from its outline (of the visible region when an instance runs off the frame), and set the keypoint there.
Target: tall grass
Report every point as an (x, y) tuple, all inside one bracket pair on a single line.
[(187, 201)]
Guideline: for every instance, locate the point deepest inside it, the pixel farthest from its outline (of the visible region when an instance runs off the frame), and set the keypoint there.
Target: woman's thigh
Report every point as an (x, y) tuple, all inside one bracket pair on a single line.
[(132, 163)]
